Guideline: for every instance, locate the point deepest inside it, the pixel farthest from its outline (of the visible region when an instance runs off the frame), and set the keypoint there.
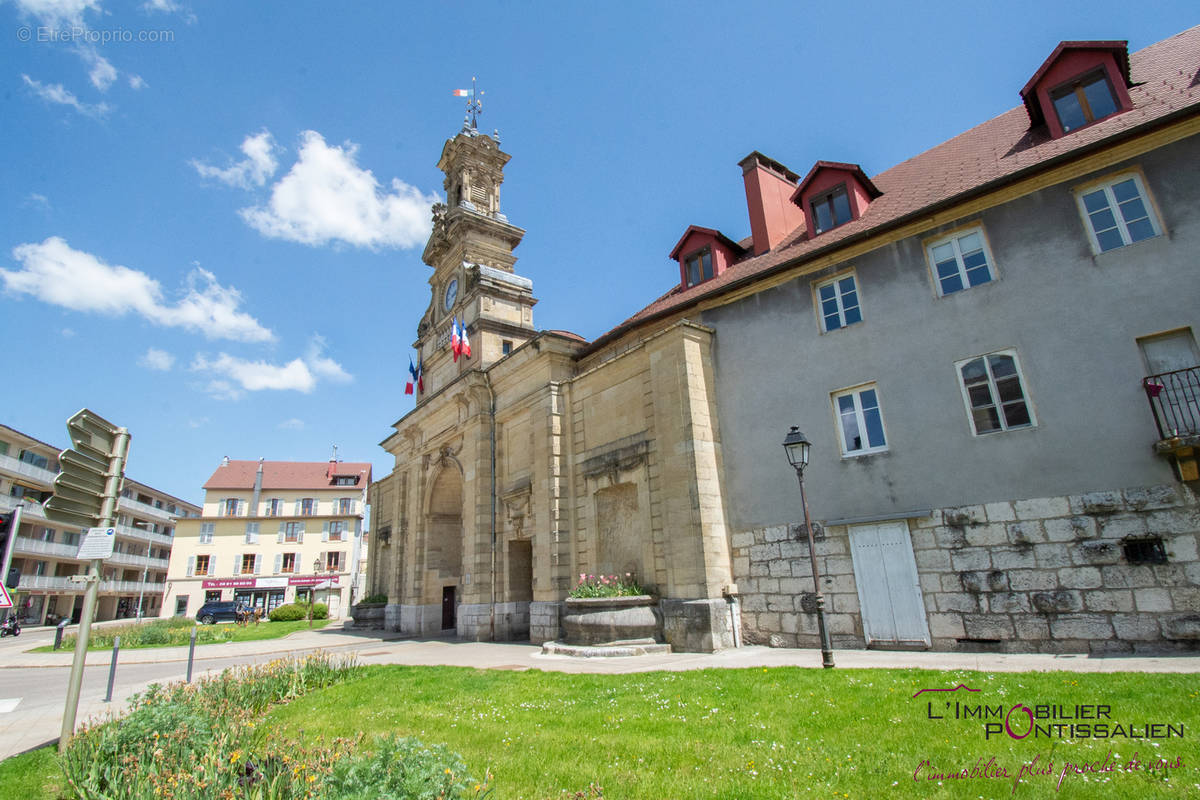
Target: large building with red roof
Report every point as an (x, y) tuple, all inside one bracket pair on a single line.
[(991, 347), (273, 532)]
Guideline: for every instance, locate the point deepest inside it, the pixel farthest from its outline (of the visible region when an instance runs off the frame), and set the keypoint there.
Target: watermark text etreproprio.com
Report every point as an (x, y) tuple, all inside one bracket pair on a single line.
[(79, 34)]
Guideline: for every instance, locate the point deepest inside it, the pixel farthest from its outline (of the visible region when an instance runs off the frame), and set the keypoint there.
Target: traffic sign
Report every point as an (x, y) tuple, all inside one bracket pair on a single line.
[(97, 543), (80, 485), (5, 597)]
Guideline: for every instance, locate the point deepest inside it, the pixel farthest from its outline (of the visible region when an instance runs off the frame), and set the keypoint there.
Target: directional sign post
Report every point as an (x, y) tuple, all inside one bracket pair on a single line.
[(85, 495)]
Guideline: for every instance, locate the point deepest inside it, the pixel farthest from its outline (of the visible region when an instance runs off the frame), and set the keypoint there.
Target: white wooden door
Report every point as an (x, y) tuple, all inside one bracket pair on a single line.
[(893, 611)]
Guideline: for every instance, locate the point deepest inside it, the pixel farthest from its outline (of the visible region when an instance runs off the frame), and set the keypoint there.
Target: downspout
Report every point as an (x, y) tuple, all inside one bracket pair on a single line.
[(492, 437)]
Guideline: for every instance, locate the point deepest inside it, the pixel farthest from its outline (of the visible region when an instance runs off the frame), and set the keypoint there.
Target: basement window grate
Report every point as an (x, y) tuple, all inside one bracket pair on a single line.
[(1145, 551)]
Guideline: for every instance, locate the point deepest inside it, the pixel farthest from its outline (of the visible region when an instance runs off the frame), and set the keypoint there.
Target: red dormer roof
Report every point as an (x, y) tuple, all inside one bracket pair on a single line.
[(854, 169), (716, 234), (1118, 49)]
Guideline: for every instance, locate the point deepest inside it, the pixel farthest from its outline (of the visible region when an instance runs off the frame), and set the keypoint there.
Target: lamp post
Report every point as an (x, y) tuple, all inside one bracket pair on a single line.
[(796, 445), (145, 572), (312, 590)]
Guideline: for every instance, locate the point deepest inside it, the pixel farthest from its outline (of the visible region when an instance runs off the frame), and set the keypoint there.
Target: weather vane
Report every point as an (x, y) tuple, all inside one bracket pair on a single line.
[(474, 104)]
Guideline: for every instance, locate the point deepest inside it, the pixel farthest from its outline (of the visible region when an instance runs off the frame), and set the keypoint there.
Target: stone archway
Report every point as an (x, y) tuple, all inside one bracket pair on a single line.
[(444, 553)]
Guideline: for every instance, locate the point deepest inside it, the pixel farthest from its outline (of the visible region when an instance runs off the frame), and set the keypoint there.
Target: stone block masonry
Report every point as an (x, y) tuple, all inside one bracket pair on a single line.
[(1112, 571)]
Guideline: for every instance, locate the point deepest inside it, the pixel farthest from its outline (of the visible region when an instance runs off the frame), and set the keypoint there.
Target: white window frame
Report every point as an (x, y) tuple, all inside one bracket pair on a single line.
[(207, 565), (838, 296), (860, 419), (1122, 228), (206, 532), (953, 238), (991, 383)]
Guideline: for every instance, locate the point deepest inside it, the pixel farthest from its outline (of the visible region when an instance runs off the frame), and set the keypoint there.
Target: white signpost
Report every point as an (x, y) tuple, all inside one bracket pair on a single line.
[(97, 543)]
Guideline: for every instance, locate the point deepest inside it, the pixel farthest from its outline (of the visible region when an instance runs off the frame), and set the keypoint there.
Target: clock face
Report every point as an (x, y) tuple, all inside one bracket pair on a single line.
[(451, 294)]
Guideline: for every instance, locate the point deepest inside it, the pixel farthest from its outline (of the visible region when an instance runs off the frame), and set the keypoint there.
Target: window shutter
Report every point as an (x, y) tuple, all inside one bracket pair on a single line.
[(191, 567), (237, 565), (324, 531), (297, 509), (353, 503), (241, 508), (300, 535), (257, 563), (278, 563), (279, 538)]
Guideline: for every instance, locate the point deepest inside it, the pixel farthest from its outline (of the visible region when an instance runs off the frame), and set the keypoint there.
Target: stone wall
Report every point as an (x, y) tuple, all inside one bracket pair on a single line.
[(1040, 575)]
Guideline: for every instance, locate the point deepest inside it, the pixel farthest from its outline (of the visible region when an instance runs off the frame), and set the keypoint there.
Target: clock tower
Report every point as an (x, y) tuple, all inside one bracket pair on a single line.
[(471, 253)]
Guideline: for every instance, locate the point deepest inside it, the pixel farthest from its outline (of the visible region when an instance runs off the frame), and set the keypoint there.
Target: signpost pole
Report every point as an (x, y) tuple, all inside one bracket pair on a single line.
[(108, 513)]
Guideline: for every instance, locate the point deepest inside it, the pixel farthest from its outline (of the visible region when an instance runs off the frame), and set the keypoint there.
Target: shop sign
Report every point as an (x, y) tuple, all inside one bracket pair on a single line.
[(229, 583), (312, 580)]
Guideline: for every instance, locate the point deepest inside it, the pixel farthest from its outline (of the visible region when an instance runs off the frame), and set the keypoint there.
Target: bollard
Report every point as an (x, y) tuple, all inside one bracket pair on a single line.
[(191, 655), (59, 630), (112, 668)]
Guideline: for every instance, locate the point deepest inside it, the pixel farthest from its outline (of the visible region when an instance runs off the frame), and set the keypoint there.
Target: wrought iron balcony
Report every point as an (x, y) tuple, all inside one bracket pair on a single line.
[(1175, 402)]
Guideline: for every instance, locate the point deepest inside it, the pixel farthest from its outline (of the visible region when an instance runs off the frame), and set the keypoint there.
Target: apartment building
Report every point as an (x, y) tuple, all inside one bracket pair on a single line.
[(44, 551), (273, 532)]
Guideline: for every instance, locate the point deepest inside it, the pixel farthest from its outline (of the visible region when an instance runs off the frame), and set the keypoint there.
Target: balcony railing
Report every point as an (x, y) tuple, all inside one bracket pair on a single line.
[(41, 474), (131, 587), (137, 561), (51, 582), (25, 545), (28, 507), (138, 507), (134, 532), (1175, 401)]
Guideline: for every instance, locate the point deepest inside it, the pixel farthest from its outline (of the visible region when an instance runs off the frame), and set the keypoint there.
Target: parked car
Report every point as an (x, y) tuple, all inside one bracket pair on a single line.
[(219, 611)]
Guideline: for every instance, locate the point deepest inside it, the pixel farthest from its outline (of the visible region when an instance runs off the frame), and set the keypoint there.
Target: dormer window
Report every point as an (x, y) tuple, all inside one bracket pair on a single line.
[(831, 209), (699, 267), (1084, 100)]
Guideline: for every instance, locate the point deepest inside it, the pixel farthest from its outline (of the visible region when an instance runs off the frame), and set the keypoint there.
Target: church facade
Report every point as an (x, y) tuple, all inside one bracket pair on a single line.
[(529, 462)]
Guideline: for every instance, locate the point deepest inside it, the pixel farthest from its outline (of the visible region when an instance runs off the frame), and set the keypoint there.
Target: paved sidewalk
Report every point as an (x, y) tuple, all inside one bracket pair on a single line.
[(22, 730)]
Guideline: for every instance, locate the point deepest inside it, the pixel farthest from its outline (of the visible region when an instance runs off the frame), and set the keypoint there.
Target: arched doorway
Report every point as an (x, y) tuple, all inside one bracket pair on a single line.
[(444, 553)]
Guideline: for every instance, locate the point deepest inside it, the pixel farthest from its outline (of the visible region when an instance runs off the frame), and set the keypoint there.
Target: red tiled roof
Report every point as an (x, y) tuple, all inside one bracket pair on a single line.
[(1165, 83), (286, 474)]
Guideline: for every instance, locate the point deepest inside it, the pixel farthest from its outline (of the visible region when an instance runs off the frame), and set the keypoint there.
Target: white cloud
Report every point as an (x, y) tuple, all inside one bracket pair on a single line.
[(67, 333), (233, 375), (320, 365), (254, 170), (58, 13), (197, 423), (35, 200), (327, 198), (166, 6), (157, 359), (137, 82), (55, 93), (292, 424), (102, 73), (55, 273)]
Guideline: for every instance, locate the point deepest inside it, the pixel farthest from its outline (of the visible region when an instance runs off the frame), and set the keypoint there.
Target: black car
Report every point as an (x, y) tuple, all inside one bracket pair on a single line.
[(219, 611)]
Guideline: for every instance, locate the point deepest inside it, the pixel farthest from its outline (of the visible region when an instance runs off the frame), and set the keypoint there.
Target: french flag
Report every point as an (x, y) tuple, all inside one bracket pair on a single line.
[(413, 377), (464, 345), (455, 342)]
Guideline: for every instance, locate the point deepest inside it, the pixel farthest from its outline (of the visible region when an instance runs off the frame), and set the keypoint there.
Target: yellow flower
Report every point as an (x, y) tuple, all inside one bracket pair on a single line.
[(233, 759), (312, 778), (447, 770)]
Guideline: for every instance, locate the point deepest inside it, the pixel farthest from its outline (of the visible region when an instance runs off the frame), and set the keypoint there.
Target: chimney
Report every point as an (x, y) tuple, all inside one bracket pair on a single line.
[(258, 478), (769, 188), (225, 461)]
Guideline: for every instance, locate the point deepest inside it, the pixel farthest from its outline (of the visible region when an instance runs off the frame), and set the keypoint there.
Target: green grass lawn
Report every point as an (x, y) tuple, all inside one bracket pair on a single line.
[(178, 635), (766, 733), (762, 733)]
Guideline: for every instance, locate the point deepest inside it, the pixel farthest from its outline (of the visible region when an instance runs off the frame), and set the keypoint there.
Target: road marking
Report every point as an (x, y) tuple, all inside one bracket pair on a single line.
[(9, 704)]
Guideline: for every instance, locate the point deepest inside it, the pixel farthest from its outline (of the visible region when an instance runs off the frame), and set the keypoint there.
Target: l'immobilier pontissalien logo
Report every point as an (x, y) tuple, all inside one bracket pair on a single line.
[(1039, 721)]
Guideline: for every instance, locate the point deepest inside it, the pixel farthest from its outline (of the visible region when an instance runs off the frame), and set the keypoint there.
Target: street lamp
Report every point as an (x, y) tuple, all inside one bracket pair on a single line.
[(146, 571), (796, 445), (312, 590)]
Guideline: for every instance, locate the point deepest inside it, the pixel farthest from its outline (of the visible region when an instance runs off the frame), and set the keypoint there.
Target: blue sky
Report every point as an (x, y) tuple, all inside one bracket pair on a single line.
[(213, 213)]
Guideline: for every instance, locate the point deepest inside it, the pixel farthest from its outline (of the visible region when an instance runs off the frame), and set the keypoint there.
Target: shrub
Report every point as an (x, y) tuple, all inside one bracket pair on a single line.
[(320, 611), (374, 598), (288, 613), (401, 769), (199, 741)]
